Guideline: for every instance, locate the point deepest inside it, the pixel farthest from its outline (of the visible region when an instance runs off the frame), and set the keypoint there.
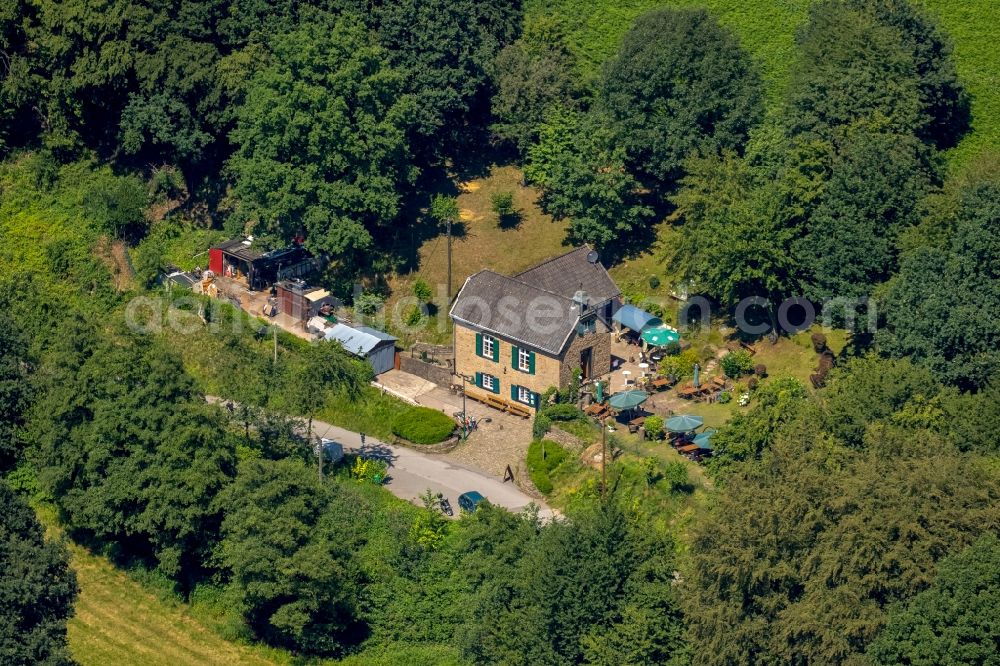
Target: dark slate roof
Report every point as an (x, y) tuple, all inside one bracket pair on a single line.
[(516, 310), (239, 249), (571, 272)]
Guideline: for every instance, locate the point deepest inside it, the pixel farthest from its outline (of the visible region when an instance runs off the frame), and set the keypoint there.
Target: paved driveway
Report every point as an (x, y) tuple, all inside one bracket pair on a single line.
[(411, 472)]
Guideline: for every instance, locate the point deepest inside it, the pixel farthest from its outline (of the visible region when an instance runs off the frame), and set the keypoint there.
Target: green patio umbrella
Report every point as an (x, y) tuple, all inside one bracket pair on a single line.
[(684, 423), (627, 399), (660, 336), (599, 392), (703, 440)]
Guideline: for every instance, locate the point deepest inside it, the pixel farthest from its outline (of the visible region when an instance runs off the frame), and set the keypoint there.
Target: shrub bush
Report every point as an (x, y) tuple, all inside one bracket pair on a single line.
[(654, 282), (654, 426), (760, 370), (724, 397), (541, 425), (422, 425), (540, 466), (676, 474), (414, 315), (562, 412), (737, 363), (502, 204), (369, 469), (368, 303), (422, 291), (681, 365)]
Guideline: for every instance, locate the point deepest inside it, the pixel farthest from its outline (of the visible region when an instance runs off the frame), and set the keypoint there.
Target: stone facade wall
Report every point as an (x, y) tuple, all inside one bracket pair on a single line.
[(599, 342), (432, 372), (549, 370)]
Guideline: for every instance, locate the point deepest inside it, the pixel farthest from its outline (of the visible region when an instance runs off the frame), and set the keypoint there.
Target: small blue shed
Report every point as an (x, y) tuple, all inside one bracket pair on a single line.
[(376, 347)]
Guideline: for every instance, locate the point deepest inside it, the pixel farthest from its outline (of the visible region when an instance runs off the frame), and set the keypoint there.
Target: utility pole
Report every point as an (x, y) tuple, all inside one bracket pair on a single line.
[(274, 334), (449, 260), (604, 459), (319, 454)]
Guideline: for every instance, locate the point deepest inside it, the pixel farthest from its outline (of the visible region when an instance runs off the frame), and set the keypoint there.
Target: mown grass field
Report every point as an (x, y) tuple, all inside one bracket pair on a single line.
[(119, 621), (767, 29)]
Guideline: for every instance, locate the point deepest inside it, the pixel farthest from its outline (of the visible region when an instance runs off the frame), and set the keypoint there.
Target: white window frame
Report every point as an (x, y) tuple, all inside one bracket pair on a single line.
[(488, 346), (489, 382), (524, 395), (523, 360)]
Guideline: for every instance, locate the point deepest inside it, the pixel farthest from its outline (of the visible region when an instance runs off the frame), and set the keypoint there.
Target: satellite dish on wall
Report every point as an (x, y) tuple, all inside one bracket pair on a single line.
[(592, 256)]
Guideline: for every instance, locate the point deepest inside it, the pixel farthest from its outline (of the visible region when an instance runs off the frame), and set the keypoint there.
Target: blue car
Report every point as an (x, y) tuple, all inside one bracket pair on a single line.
[(469, 501)]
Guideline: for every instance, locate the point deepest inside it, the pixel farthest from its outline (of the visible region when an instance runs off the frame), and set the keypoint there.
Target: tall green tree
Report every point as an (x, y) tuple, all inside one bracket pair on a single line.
[(739, 231), (129, 451), (874, 193), (600, 578), (942, 96), (37, 588), (804, 553), (289, 565), (956, 621), (584, 178), (15, 390), (935, 307), (852, 69), (322, 370), (681, 84), (446, 49), (532, 76), (322, 140)]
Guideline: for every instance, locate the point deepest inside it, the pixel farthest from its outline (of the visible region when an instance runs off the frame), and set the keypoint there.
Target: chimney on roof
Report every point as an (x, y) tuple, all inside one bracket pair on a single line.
[(580, 299)]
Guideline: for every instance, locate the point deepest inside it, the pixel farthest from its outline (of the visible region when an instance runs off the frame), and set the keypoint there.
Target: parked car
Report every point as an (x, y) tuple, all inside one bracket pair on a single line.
[(333, 452), (469, 501)]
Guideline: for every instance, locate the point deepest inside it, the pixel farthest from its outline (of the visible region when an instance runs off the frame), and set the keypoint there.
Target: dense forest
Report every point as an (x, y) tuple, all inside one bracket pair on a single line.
[(851, 522)]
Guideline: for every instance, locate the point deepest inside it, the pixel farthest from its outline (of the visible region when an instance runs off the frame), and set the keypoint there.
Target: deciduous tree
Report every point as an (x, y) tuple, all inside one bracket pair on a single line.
[(37, 589), (681, 84), (323, 140), (935, 307)]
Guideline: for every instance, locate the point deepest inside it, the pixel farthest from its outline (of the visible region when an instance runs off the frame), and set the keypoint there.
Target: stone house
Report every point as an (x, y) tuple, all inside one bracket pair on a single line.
[(517, 336)]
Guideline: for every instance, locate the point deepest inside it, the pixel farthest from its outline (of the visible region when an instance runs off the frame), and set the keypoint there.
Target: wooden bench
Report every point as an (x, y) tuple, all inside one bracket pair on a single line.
[(519, 410), (496, 402)]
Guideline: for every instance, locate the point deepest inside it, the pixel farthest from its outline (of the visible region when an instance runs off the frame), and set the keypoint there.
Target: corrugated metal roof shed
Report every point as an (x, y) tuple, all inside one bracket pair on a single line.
[(358, 340)]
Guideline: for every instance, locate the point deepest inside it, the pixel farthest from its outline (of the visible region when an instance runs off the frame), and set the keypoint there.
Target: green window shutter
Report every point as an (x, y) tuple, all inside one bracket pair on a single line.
[(513, 392), (479, 344), (496, 385), (513, 357), (534, 399), (531, 363), (479, 379), (496, 350)]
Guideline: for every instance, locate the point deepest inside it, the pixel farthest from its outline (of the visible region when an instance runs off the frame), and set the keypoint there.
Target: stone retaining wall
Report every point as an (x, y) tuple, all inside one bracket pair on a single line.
[(438, 374)]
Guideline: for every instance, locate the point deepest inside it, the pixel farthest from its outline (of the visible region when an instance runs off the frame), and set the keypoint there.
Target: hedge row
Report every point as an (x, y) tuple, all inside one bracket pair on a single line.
[(422, 425)]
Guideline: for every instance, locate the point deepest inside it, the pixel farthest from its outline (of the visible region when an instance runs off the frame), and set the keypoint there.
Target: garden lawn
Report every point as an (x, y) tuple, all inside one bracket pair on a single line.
[(479, 243)]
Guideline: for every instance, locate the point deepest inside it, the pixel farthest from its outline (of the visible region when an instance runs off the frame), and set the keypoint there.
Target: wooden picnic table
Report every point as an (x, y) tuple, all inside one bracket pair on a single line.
[(660, 383), (689, 448), (688, 391), (637, 421)]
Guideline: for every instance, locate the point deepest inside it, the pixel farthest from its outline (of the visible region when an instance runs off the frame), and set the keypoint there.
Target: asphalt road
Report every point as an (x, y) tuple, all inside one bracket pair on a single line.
[(411, 472)]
